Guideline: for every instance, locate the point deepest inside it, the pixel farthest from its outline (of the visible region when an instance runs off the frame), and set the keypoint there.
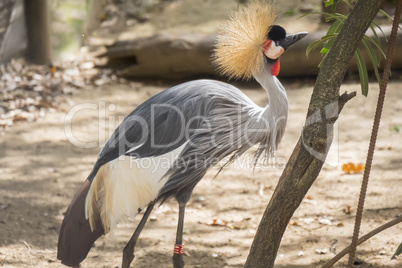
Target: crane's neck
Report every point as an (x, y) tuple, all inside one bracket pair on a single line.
[(278, 100)]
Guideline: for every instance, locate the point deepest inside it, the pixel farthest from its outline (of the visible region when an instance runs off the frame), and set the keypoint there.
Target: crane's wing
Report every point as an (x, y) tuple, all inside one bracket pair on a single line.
[(165, 121)]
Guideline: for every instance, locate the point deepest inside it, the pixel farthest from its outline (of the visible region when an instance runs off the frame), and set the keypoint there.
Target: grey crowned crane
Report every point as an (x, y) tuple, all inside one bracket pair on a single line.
[(189, 128)]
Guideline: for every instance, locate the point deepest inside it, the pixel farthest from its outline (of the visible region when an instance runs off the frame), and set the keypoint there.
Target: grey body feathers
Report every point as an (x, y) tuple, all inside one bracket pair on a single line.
[(216, 120)]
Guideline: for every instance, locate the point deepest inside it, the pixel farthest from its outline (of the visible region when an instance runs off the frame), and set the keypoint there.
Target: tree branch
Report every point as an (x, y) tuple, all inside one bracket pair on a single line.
[(362, 239)]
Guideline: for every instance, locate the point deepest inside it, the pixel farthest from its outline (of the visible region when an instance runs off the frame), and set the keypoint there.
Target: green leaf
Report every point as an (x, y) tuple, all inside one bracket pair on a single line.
[(328, 37), (334, 29), (396, 129), (374, 60), (327, 16), (361, 66), (334, 16), (314, 13), (322, 61), (386, 15), (348, 3), (397, 252), (329, 3), (378, 45), (315, 44), (334, 5), (379, 28), (377, 38), (327, 46), (324, 50), (389, 17), (377, 41)]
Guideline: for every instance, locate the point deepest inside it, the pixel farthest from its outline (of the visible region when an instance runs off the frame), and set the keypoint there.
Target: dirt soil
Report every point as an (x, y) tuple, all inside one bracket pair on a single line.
[(41, 170)]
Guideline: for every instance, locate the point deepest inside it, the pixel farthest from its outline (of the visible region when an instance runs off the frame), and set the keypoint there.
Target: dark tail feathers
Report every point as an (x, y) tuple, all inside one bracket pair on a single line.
[(76, 237)]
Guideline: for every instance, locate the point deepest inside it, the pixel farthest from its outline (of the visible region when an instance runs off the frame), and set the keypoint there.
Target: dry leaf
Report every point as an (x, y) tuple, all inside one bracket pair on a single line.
[(347, 210), (224, 223), (382, 148), (350, 168), (28, 91), (216, 222), (24, 116), (295, 223)]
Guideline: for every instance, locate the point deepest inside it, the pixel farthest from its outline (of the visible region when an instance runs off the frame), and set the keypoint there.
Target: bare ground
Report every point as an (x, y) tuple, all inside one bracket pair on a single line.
[(41, 171)]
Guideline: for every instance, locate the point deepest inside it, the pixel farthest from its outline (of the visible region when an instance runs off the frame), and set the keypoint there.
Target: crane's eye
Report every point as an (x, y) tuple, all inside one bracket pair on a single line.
[(276, 33)]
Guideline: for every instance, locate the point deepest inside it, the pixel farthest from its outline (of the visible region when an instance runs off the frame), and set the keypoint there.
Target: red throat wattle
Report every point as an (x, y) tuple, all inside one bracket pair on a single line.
[(275, 68)]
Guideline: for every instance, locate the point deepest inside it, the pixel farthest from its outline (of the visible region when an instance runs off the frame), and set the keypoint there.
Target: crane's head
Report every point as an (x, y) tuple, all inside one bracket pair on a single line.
[(277, 43), (249, 40)]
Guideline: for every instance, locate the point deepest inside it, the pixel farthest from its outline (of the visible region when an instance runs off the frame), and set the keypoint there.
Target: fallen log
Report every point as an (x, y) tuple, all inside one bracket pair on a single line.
[(170, 56), (164, 56)]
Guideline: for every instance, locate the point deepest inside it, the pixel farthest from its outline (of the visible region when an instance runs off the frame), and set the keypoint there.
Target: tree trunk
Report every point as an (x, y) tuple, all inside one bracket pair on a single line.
[(307, 159), (37, 19), (13, 39), (6, 8), (94, 16)]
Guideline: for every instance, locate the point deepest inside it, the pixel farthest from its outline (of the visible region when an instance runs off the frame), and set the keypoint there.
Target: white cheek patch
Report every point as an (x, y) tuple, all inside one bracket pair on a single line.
[(273, 51)]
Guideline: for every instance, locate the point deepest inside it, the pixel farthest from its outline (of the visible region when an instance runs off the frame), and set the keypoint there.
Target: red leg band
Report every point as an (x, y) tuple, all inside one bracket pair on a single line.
[(178, 249)]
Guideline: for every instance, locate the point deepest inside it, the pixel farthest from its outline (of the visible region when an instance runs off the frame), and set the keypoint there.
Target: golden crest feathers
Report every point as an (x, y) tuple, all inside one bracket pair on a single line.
[(238, 50)]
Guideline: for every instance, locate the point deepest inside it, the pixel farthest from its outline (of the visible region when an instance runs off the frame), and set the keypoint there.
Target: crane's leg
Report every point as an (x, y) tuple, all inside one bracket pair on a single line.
[(128, 251), (178, 260)]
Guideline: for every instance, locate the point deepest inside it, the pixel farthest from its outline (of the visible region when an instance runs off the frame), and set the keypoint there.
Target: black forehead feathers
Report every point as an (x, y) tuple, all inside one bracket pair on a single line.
[(276, 33)]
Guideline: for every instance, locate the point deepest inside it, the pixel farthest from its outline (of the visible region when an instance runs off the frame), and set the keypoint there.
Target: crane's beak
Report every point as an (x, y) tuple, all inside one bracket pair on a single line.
[(291, 39)]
